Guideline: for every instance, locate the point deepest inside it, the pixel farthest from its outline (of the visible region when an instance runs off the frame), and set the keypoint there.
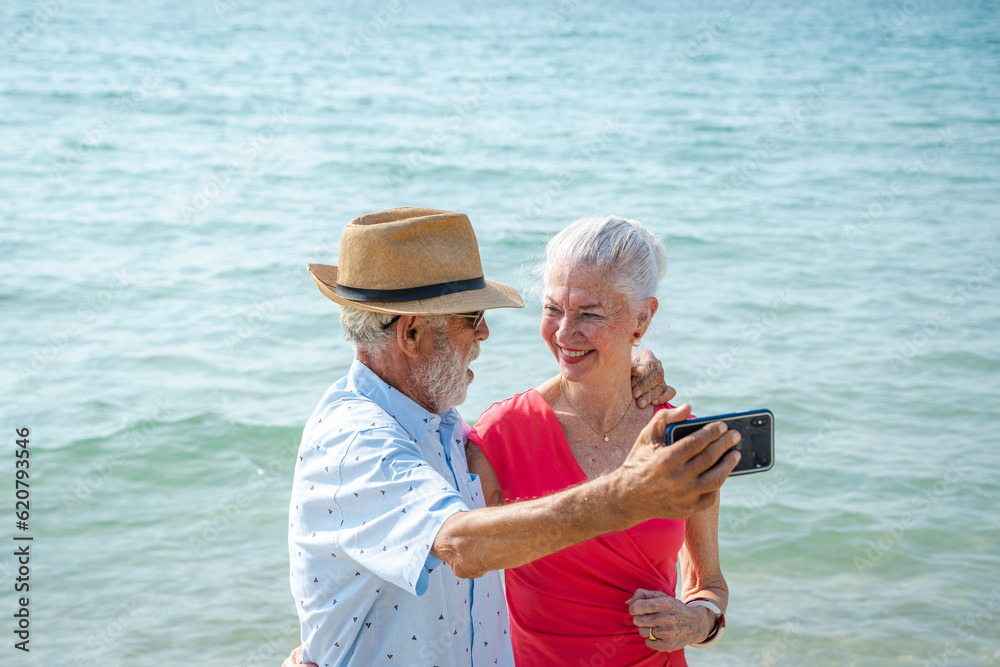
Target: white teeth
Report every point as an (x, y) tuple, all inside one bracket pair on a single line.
[(573, 354)]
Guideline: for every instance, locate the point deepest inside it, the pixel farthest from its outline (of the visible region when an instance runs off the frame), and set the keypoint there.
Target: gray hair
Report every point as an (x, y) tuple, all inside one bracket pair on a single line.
[(364, 328), (633, 259)]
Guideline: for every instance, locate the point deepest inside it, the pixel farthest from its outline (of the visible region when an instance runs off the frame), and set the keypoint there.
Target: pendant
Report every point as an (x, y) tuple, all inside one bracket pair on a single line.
[(606, 438)]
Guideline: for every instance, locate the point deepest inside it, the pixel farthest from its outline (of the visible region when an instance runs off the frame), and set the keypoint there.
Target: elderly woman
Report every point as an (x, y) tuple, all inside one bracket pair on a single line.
[(613, 596), (610, 600)]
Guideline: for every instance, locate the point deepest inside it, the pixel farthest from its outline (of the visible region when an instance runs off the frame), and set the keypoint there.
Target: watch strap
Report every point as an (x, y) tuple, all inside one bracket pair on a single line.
[(720, 621)]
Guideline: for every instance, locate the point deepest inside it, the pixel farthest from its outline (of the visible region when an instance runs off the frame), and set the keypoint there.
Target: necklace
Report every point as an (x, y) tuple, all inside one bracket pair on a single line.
[(607, 436)]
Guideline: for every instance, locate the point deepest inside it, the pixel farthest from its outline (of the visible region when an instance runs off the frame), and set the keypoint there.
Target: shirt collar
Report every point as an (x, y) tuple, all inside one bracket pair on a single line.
[(410, 415)]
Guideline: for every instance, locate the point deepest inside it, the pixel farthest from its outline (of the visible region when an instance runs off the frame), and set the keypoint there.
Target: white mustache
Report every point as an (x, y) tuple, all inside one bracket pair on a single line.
[(473, 353)]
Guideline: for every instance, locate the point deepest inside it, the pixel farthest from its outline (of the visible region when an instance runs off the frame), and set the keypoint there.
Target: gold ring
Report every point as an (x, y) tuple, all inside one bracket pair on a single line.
[(652, 636)]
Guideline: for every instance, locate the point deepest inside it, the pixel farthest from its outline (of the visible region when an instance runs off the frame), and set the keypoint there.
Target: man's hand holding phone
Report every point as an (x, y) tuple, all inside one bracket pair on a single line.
[(679, 481)]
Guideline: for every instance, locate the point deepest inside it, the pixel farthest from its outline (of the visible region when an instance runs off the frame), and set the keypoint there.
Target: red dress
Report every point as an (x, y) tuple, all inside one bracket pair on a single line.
[(569, 607)]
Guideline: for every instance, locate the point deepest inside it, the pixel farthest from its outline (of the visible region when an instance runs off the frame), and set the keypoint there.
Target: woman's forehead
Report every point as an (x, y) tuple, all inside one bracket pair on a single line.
[(563, 270), (581, 285)]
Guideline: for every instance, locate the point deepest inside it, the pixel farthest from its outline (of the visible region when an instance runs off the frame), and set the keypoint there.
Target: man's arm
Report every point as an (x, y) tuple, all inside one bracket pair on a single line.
[(647, 387), (654, 482)]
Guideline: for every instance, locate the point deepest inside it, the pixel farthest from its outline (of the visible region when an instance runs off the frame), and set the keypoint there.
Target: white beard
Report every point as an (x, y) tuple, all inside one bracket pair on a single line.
[(444, 377)]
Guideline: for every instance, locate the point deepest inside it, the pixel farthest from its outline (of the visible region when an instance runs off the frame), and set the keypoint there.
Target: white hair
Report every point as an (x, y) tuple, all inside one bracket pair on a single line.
[(443, 377), (626, 252), (364, 328)]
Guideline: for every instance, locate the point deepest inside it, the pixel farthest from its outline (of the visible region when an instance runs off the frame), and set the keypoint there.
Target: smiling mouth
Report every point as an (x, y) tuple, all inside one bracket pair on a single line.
[(573, 354)]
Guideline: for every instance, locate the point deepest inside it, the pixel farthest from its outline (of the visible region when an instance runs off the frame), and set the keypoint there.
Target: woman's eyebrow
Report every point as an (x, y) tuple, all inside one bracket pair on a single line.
[(549, 301)]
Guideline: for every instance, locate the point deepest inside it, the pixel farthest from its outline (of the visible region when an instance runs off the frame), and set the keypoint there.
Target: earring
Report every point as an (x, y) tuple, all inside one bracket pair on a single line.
[(638, 339)]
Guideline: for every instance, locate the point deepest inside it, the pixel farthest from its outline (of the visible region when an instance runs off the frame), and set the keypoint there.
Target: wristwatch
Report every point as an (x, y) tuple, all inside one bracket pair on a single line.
[(720, 621)]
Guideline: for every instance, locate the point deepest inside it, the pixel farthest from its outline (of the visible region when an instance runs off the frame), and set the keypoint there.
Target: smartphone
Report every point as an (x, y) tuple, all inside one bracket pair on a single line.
[(756, 444)]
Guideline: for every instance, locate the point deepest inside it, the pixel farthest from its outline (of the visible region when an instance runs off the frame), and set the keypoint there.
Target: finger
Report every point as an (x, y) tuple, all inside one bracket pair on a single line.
[(657, 639), (712, 479), (651, 604), (642, 399), (647, 383), (647, 621), (640, 594), (295, 659), (692, 446), (665, 397), (653, 432), (658, 394), (711, 454), (651, 609)]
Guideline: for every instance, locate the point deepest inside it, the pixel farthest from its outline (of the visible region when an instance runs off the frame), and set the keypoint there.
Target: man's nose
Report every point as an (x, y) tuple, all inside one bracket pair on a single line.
[(483, 332)]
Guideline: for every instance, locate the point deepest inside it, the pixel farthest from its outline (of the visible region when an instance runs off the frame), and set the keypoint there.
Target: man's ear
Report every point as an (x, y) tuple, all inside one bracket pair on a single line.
[(411, 332)]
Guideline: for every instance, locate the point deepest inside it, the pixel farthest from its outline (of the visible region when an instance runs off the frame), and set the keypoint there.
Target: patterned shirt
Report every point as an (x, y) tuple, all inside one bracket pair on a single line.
[(377, 476)]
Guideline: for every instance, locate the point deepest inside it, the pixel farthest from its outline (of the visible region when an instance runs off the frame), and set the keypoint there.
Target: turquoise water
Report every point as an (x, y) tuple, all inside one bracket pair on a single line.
[(825, 177)]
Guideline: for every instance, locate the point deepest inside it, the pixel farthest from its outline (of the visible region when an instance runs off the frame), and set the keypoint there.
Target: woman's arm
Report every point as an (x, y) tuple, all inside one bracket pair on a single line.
[(700, 569), (699, 557), (674, 624), (480, 465)]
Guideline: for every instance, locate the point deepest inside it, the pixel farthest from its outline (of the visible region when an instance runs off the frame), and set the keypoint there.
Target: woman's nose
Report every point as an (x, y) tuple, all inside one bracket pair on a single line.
[(566, 330)]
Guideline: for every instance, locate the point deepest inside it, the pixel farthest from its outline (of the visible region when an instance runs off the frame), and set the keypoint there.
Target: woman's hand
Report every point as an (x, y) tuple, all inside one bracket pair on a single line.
[(648, 386), (673, 624), (295, 659)]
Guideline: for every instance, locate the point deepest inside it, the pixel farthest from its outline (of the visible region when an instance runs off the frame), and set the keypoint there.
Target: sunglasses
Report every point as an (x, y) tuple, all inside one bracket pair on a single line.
[(477, 318)]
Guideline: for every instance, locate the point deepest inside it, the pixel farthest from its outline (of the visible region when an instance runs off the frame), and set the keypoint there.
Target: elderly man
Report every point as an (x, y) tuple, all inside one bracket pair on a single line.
[(394, 555)]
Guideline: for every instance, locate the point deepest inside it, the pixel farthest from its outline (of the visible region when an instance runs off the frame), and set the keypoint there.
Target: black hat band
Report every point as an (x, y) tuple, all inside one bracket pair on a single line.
[(410, 293)]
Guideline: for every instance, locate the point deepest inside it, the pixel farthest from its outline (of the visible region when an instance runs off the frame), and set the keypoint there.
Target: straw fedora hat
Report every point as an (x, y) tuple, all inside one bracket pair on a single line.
[(411, 261)]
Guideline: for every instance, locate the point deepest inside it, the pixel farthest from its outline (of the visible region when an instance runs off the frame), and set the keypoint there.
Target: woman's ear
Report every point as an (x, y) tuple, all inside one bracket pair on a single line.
[(646, 313)]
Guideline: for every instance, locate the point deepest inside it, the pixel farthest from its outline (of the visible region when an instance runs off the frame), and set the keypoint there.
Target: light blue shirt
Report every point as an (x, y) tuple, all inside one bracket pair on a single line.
[(377, 476)]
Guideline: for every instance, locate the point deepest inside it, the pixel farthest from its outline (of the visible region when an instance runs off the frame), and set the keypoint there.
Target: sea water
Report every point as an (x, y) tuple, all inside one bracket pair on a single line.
[(825, 176)]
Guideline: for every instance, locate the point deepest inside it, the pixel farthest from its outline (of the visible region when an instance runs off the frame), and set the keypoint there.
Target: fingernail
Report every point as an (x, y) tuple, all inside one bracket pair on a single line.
[(738, 457)]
